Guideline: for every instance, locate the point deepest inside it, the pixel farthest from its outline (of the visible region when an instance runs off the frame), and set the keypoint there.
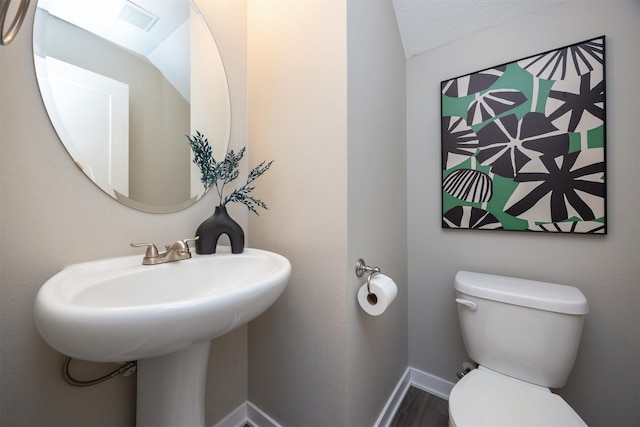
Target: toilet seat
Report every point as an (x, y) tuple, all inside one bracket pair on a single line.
[(487, 398)]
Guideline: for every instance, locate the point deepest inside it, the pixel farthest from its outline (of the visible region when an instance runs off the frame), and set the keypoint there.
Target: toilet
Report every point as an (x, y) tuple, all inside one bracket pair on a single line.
[(524, 336)]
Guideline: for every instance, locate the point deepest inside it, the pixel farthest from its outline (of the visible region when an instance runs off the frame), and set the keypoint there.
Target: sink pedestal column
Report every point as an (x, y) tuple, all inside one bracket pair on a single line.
[(171, 388)]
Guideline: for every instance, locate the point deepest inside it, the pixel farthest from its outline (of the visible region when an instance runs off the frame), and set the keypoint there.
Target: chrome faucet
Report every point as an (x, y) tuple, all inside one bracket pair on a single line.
[(175, 252)]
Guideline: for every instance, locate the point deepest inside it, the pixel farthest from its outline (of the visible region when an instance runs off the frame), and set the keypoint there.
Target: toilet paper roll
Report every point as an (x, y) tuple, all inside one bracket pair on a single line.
[(383, 292)]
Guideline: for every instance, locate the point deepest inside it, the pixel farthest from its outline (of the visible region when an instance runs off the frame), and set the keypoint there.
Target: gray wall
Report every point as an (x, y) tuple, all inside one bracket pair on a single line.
[(326, 90), (377, 346), (603, 387), (51, 215)]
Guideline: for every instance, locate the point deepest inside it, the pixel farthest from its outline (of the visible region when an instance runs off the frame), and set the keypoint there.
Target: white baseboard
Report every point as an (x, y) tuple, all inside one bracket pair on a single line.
[(249, 413), (393, 403), (419, 379), (237, 418), (257, 418), (431, 384)]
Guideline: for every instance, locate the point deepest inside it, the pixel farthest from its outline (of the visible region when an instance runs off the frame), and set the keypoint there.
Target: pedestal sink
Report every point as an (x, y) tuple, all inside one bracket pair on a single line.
[(163, 316)]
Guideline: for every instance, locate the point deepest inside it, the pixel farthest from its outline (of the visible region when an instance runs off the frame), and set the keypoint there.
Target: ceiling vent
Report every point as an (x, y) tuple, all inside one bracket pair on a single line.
[(135, 15)]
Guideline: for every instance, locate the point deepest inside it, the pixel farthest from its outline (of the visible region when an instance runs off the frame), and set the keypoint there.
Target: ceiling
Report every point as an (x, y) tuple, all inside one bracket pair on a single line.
[(423, 24), (427, 24)]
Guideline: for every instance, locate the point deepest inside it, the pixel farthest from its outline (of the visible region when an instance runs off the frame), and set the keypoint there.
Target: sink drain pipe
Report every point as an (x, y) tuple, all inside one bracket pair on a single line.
[(126, 370)]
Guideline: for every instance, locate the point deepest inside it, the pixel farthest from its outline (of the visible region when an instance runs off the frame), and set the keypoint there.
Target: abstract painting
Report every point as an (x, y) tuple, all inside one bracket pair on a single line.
[(523, 144)]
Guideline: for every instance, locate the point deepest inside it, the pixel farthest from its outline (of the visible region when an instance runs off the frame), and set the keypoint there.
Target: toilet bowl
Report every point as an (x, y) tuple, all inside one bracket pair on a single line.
[(524, 335)]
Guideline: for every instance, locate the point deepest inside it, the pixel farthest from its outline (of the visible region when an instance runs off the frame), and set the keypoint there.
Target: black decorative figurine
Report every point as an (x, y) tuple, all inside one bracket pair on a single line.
[(219, 174)]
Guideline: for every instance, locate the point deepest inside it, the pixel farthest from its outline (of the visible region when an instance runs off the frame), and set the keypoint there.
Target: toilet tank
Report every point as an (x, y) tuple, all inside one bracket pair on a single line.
[(525, 329)]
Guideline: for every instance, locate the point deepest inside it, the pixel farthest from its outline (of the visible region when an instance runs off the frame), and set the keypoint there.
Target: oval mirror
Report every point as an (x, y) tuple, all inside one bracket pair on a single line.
[(124, 83)]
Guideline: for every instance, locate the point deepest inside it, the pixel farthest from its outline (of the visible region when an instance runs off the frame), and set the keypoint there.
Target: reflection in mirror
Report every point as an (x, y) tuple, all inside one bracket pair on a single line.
[(124, 83)]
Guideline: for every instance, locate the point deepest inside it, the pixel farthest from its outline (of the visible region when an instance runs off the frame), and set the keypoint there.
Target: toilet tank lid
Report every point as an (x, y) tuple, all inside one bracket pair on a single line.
[(523, 292)]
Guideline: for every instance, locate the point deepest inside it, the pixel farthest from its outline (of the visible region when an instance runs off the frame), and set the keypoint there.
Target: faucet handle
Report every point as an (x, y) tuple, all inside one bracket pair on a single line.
[(190, 239), (152, 251), (186, 241), (182, 245)]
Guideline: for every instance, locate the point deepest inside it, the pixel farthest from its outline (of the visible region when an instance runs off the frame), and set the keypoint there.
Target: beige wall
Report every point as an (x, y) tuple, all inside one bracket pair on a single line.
[(51, 215), (603, 387), (297, 116), (328, 104)]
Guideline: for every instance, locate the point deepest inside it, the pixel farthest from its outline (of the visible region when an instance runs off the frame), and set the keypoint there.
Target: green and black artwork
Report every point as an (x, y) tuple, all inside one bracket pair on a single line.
[(523, 144)]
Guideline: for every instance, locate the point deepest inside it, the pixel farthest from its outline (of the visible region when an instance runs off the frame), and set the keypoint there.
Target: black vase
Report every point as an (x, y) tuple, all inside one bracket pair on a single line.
[(215, 226)]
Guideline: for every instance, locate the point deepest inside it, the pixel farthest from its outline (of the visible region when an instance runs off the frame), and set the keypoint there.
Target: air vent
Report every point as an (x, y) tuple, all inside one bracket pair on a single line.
[(135, 15)]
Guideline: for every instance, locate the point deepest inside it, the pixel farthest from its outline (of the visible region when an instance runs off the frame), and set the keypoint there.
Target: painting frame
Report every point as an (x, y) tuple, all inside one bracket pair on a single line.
[(523, 144)]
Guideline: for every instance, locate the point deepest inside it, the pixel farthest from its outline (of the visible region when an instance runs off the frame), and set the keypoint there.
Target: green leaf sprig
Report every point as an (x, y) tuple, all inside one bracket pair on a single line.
[(219, 174)]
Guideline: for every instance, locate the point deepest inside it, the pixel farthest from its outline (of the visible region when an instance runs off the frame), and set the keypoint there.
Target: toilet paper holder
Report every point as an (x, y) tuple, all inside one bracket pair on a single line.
[(362, 267)]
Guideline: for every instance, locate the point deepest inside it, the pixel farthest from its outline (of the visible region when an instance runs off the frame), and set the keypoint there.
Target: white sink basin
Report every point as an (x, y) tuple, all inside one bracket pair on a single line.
[(118, 310)]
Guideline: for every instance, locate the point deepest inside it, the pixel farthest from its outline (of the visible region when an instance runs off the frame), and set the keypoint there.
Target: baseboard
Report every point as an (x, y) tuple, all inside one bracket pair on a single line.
[(257, 418), (249, 413), (394, 401), (419, 379), (237, 418), (431, 384)]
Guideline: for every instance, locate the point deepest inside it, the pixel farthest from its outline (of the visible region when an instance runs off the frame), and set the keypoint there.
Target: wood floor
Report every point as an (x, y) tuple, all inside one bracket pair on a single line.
[(421, 409)]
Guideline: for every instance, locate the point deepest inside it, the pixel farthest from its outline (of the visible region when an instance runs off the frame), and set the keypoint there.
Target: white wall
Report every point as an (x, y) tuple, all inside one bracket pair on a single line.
[(51, 215), (326, 90), (604, 385)]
